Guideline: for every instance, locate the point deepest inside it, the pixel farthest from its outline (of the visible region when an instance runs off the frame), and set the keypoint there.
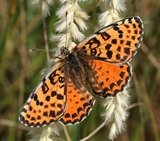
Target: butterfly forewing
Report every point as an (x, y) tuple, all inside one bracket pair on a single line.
[(116, 43), (47, 102)]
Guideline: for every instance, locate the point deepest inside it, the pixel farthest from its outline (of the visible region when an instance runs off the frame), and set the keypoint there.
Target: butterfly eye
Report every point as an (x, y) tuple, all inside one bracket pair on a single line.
[(64, 51)]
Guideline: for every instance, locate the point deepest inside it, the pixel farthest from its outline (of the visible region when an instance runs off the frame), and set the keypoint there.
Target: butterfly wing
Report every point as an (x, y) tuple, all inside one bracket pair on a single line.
[(105, 55), (107, 79), (116, 43), (47, 102), (79, 101)]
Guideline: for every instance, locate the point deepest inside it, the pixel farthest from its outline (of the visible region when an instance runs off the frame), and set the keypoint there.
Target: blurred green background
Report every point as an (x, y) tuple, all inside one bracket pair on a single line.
[(21, 29)]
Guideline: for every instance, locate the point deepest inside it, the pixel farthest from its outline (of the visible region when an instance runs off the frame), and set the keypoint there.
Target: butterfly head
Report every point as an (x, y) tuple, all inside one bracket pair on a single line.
[(64, 51)]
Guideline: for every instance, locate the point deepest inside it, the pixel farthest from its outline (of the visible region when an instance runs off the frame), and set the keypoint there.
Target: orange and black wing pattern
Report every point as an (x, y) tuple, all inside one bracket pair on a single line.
[(47, 102), (106, 79), (79, 103), (116, 43)]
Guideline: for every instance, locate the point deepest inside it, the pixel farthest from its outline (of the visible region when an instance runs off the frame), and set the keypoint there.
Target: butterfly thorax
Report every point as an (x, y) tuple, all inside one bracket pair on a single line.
[(71, 59), (75, 68)]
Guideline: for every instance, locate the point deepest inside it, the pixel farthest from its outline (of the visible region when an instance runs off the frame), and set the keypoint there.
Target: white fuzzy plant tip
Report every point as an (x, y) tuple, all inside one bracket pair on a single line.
[(111, 10), (71, 24), (48, 133), (43, 5), (115, 114)]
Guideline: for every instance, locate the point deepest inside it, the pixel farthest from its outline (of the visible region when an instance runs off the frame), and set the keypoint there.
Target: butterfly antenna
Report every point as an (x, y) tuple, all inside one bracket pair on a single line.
[(36, 49), (66, 29)]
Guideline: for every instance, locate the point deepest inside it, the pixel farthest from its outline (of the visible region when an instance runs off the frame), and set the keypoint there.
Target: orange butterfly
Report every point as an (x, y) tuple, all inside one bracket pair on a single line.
[(100, 62)]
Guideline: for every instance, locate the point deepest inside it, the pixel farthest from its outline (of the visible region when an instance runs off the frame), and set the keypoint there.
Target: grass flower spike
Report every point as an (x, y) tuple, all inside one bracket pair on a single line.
[(115, 112), (49, 133), (43, 5), (110, 11), (71, 24)]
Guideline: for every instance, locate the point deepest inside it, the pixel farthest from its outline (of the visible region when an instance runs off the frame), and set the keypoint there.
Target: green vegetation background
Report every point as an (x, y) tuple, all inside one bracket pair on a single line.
[(21, 29)]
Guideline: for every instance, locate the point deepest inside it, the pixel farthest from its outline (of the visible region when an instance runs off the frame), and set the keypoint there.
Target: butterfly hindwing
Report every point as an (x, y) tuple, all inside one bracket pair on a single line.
[(47, 102), (116, 43), (106, 79), (79, 101)]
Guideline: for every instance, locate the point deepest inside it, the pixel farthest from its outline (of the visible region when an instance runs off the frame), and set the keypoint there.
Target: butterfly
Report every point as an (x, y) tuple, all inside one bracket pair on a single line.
[(99, 65)]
